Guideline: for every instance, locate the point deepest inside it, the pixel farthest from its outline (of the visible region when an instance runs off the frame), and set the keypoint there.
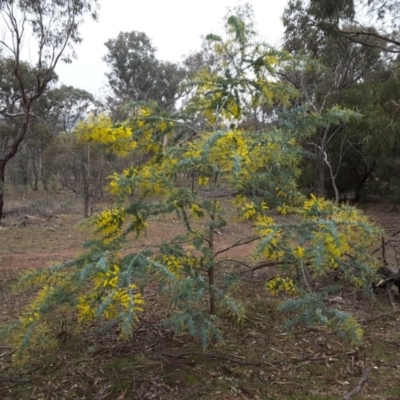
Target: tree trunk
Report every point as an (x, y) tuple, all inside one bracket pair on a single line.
[(321, 174), (35, 172), (211, 267), (212, 293), (362, 181), (86, 197), (43, 172), (12, 151), (333, 178), (2, 179), (34, 184)]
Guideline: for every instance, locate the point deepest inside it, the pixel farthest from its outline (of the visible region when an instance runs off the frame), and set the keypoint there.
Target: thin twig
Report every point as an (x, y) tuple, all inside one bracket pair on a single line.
[(236, 244), (264, 264)]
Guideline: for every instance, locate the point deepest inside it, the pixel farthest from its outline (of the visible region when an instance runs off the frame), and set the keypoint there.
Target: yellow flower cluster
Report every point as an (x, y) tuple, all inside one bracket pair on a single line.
[(193, 151), (86, 308), (284, 209), (203, 180), (273, 250), (119, 299), (314, 207), (144, 111), (190, 260), (280, 284), (109, 223), (173, 264), (349, 233), (100, 129), (196, 210), (116, 187), (108, 279), (232, 109), (280, 192), (350, 219), (33, 312), (253, 212), (147, 142), (335, 249), (229, 146), (351, 327), (271, 60), (249, 211), (152, 178), (299, 252), (178, 264), (138, 223), (28, 318), (239, 200), (147, 125), (265, 225), (267, 230)]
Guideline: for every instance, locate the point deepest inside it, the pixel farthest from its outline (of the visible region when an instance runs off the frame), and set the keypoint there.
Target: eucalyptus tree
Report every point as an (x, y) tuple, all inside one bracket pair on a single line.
[(53, 29), (65, 106), (11, 121), (326, 64), (372, 23), (135, 74), (375, 140), (59, 110)]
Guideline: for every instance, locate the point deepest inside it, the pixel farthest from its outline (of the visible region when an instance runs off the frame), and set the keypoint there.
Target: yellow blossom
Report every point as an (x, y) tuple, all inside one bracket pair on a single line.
[(280, 284), (203, 180), (299, 252)]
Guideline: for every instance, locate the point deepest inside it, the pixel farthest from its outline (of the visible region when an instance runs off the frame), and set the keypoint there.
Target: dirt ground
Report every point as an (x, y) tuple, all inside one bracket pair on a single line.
[(36, 241), (257, 360)]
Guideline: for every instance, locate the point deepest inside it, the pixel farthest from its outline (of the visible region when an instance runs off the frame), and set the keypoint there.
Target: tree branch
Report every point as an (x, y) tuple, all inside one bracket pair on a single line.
[(237, 244)]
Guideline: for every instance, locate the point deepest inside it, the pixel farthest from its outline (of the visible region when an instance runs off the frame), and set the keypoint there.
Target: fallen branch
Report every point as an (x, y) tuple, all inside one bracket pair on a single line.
[(359, 386)]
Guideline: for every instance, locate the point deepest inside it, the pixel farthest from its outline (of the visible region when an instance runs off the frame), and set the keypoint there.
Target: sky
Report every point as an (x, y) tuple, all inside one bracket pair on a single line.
[(175, 28)]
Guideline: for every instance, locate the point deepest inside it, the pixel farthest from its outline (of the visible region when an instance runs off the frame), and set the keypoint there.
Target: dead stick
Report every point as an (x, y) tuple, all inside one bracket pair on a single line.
[(359, 386)]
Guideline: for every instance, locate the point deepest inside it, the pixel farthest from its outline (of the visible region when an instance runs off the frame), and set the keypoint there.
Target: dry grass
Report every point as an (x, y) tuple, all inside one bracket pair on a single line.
[(256, 361)]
